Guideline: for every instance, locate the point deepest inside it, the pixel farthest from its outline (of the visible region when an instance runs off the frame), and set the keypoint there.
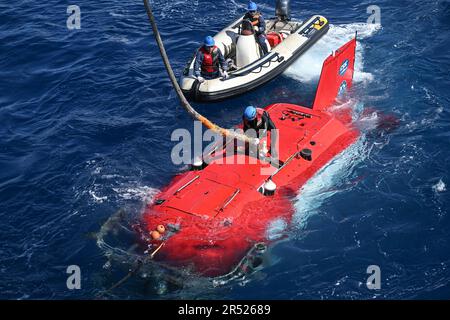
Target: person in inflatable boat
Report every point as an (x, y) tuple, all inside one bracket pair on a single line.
[(208, 61), (258, 23)]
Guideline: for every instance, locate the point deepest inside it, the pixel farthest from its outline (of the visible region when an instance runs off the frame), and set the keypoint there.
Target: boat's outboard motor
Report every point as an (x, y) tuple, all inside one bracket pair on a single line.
[(283, 10), (247, 50)]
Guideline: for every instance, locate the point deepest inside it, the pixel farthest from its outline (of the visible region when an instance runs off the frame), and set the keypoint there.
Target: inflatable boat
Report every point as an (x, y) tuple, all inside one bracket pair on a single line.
[(249, 67), (216, 219)]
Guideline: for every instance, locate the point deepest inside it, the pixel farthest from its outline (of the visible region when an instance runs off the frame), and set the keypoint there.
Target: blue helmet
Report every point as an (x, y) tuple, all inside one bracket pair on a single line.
[(209, 41), (252, 6), (250, 113)]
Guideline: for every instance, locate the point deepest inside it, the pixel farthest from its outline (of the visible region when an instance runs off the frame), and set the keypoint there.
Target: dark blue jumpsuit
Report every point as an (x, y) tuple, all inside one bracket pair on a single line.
[(261, 24)]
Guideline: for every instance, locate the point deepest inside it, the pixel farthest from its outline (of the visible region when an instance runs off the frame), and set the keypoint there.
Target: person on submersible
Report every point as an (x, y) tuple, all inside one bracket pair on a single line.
[(208, 61), (257, 121)]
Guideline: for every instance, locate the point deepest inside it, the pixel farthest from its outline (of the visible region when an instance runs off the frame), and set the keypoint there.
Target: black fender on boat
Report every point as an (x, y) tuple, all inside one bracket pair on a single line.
[(195, 92)]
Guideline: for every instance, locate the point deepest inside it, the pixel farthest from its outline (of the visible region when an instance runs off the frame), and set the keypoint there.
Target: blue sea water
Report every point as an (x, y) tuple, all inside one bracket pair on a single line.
[(85, 122)]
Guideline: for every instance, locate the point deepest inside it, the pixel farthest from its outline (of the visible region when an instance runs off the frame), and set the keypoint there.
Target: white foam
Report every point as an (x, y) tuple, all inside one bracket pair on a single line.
[(97, 199), (439, 187), (142, 193), (114, 14), (308, 67), (276, 229), (327, 182), (368, 121)]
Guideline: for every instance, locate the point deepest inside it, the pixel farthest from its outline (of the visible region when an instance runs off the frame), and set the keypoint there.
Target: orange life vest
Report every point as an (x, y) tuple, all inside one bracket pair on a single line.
[(255, 19), (210, 60)]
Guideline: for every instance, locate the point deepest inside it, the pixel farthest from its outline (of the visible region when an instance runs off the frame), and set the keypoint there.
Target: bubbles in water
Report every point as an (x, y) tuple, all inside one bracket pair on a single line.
[(308, 67)]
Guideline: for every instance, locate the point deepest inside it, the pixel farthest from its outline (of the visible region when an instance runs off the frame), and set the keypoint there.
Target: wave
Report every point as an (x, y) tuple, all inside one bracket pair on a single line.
[(334, 178), (308, 67)]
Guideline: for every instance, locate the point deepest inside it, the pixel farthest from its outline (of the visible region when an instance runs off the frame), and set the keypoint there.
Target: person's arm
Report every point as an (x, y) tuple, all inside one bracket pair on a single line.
[(268, 123), (245, 126), (262, 25), (270, 126), (198, 64)]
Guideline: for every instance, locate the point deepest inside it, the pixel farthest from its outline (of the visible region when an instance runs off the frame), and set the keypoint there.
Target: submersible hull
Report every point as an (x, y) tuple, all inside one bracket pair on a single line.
[(209, 219)]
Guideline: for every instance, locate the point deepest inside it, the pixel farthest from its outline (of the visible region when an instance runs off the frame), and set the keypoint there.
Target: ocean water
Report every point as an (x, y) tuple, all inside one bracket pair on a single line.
[(86, 118)]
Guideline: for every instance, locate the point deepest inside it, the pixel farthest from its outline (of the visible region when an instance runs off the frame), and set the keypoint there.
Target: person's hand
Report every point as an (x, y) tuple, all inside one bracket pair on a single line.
[(225, 75), (256, 29), (200, 79)]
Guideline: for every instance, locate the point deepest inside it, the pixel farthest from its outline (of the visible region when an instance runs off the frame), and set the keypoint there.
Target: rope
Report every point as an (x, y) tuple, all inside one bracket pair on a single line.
[(184, 103)]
